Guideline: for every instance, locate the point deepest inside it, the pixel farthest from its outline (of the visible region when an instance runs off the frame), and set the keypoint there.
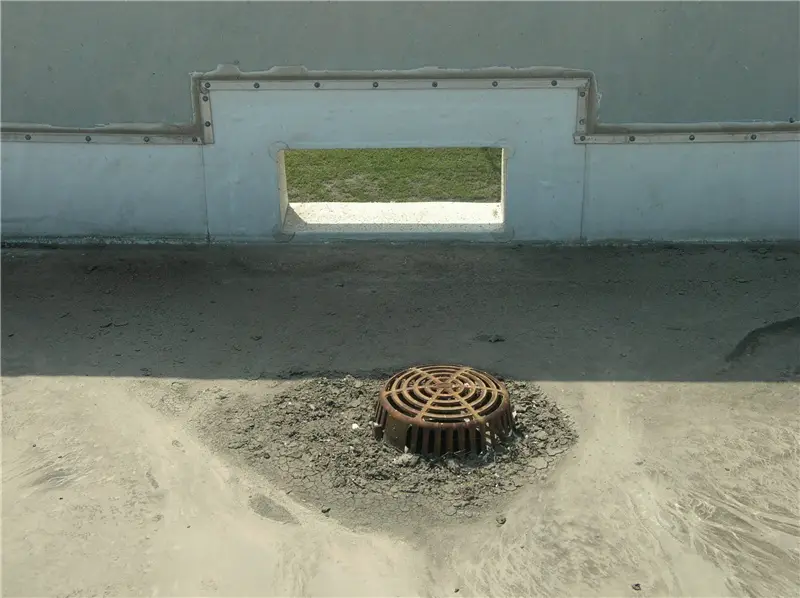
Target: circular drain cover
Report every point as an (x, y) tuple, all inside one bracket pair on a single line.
[(443, 409)]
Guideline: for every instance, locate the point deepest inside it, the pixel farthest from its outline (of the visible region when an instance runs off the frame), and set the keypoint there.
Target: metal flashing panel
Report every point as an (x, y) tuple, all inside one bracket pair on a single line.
[(543, 178), (566, 178), (226, 78)]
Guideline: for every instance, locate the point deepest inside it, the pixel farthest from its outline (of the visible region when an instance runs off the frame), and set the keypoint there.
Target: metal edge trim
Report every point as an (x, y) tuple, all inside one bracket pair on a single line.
[(99, 137), (688, 138), (379, 84), (582, 122), (206, 122), (587, 129)]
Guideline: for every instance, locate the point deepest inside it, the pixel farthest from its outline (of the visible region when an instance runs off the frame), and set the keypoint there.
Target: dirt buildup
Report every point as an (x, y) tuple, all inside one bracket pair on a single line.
[(314, 437)]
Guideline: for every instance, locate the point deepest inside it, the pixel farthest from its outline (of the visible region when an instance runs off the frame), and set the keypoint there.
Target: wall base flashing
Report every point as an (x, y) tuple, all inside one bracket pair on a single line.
[(230, 77), (562, 182)]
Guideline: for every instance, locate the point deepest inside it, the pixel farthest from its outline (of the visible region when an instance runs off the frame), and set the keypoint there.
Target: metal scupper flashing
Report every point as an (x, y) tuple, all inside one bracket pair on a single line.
[(230, 78)]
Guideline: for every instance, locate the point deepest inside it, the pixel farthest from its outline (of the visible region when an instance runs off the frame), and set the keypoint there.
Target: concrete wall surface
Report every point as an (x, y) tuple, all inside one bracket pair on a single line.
[(705, 96), (78, 64), (647, 193)]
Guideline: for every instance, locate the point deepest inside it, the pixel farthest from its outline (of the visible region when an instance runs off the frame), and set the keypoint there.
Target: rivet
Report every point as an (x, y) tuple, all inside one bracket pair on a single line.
[(316, 84), (553, 82), (583, 137), (207, 85), (434, 84), (494, 83), (147, 140), (256, 85), (88, 138), (207, 123), (205, 98), (194, 139), (374, 84), (631, 138), (582, 121), (753, 137), (691, 137), (583, 94), (28, 137)]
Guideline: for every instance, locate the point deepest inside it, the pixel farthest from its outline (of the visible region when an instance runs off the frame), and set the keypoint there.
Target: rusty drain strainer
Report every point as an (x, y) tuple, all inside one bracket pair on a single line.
[(443, 409)]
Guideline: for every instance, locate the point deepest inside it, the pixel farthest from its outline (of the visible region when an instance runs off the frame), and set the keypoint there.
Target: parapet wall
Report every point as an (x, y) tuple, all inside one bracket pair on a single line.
[(666, 121), (79, 64)]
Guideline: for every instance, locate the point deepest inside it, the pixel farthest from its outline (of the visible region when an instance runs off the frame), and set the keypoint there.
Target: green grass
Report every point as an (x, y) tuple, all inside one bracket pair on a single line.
[(394, 175)]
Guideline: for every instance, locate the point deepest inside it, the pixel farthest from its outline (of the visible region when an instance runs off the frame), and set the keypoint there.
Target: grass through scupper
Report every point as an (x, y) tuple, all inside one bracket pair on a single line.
[(394, 175)]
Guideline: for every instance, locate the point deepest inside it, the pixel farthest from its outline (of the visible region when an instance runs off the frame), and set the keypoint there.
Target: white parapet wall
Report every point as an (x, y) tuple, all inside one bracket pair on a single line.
[(565, 178)]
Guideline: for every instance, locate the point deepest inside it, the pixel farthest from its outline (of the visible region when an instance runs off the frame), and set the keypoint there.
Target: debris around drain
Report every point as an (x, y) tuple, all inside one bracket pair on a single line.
[(316, 461), (406, 460), (326, 509), (500, 520), (452, 465), (637, 586)]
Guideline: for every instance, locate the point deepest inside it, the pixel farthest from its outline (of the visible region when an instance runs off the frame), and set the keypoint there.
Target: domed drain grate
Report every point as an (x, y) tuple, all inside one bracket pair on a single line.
[(443, 409)]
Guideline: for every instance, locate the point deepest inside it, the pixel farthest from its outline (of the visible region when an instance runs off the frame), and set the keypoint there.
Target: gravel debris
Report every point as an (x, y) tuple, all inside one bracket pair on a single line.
[(314, 436)]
